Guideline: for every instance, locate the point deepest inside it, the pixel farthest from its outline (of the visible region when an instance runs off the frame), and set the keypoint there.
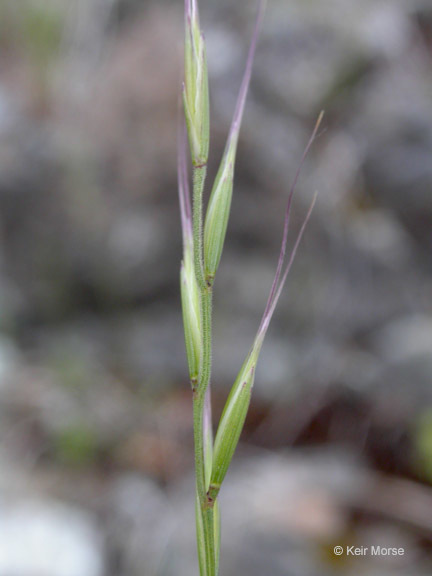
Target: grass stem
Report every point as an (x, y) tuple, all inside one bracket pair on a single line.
[(205, 292)]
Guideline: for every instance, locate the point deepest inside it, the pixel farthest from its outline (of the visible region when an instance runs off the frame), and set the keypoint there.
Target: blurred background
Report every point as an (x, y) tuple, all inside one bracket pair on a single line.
[(96, 457)]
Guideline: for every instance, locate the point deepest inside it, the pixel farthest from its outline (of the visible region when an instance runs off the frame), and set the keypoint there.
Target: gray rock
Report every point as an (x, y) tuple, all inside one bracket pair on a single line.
[(142, 525)]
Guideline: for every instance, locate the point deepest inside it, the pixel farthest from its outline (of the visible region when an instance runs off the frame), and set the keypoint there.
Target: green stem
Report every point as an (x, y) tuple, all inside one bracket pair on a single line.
[(199, 176), (199, 395)]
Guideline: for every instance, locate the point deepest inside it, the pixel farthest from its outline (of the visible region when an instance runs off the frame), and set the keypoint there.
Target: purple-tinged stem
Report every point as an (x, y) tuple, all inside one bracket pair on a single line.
[(241, 99), (269, 313), (183, 186), (287, 215), (190, 9)]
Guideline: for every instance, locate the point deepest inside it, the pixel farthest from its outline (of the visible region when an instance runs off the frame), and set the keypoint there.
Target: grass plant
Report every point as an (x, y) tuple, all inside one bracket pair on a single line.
[(202, 251)]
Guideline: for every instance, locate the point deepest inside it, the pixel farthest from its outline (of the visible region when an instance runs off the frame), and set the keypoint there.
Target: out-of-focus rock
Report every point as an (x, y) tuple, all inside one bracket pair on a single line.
[(132, 114), (77, 225), (406, 338), (144, 525), (406, 344), (43, 538)]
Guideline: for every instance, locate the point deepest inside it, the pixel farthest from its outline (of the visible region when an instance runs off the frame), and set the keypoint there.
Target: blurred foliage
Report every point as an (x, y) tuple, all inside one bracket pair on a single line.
[(42, 27), (76, 445), (36, 27)]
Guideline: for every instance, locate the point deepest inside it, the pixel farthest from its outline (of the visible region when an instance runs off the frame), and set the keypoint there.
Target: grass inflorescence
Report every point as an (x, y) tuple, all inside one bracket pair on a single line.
[(202, 250)]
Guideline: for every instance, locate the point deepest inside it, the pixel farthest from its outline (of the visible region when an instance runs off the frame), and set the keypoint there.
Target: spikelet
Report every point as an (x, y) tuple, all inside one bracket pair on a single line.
[(237, 405), (189, 290), (195, 88)]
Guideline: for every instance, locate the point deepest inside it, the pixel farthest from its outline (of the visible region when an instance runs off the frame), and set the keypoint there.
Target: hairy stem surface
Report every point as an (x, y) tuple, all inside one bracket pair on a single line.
[(199, 176)]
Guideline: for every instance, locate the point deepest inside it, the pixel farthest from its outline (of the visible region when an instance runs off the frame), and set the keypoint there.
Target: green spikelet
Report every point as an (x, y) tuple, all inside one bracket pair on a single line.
[(195, 90), (232, 421), (191, 315)]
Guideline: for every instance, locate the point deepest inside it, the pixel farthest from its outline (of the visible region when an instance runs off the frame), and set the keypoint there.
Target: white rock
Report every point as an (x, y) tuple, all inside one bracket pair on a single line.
[(41, 538)]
